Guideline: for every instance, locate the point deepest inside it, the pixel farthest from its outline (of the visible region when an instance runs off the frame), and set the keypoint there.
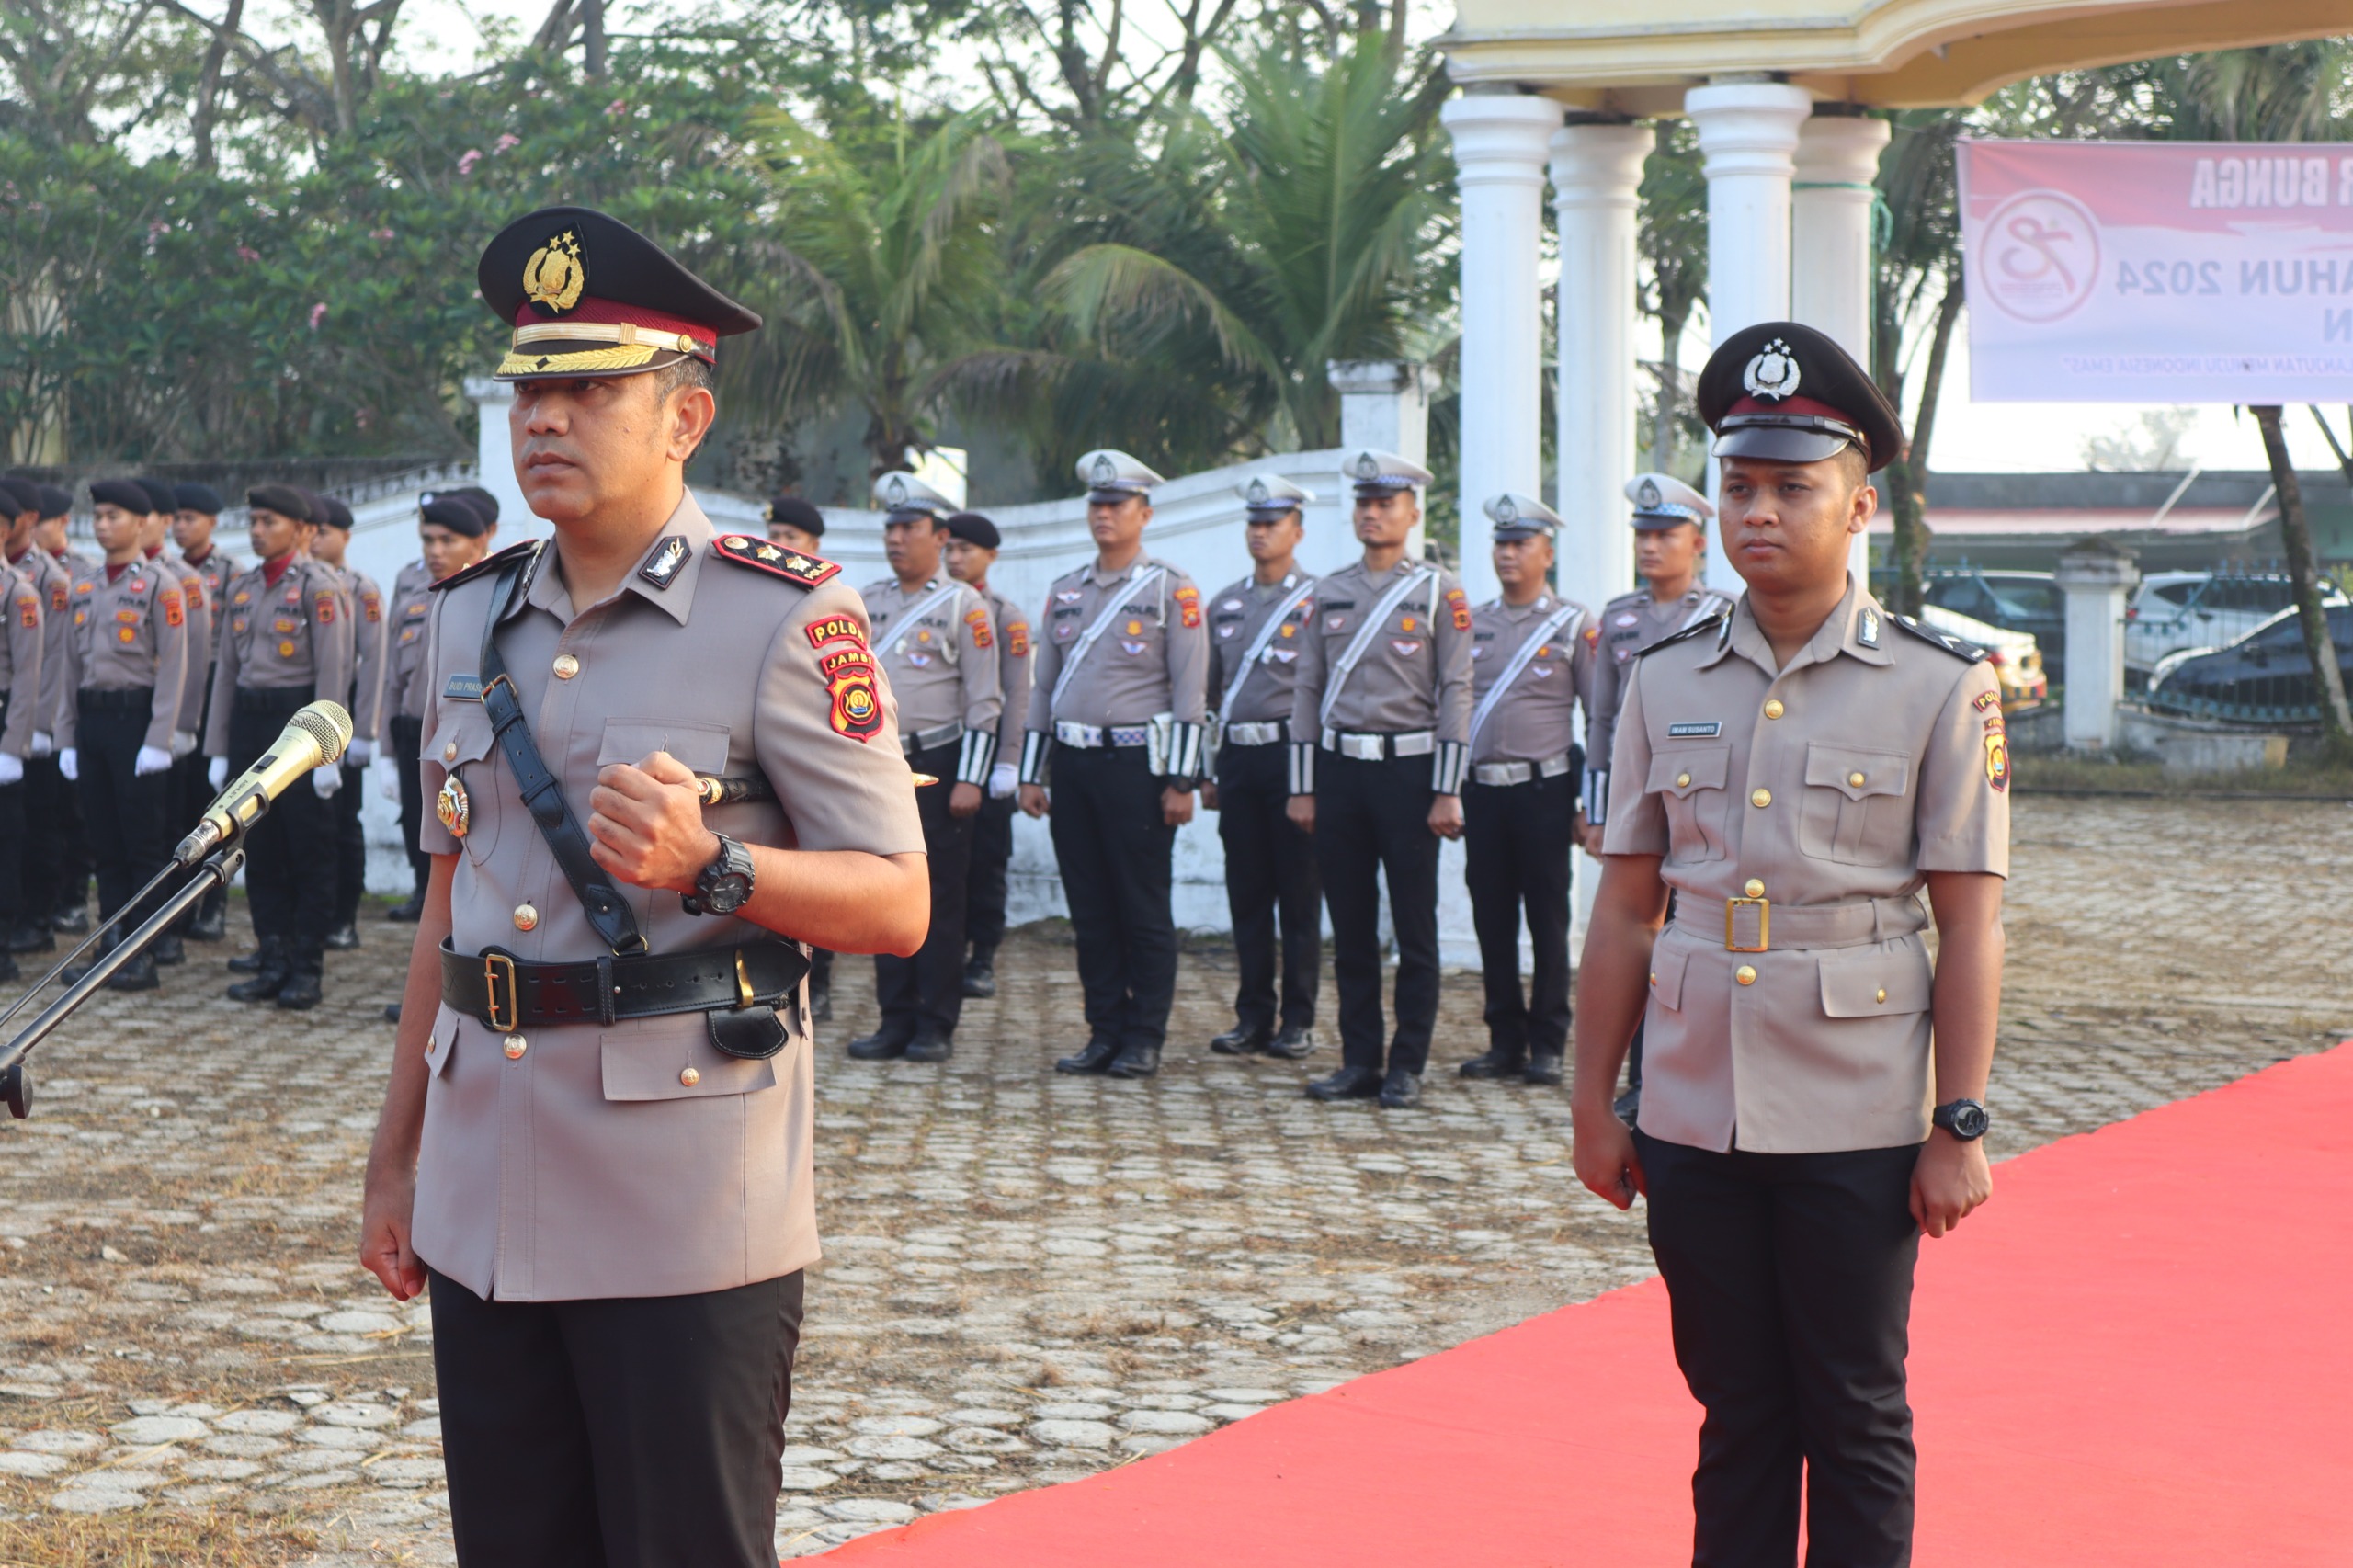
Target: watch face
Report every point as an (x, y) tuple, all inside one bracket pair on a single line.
[(1969, 1120), (726, 895)]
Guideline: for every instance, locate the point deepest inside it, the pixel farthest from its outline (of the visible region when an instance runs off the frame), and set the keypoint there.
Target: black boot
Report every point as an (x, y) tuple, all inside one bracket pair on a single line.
[(409, 911), (250, 964), (930, 1045), (882, 1045), (344, 937), (1400, 1089), (1500, 1062), (1295, 1043), (980, 974), (304, 989), (1543, 1067), (166, 950), (89, 960), (1242, 1039), (1096, 1056), (1135, 1061), (271, 965), (212, 921), (72, 919), (8, 970), (820, 1003), (1348, 1084), (138, 974), (32, 937), (391, 1012)]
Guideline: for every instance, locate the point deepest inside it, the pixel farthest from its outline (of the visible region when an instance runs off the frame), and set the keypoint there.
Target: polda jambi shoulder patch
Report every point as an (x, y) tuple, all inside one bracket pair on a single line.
[(792, 566)]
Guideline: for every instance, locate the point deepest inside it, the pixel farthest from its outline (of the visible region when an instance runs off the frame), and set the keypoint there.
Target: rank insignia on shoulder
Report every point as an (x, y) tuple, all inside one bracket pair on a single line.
[(1867, 627), (667, 557), (1968, 653), (464, 689), (808, 570), (496, 562)]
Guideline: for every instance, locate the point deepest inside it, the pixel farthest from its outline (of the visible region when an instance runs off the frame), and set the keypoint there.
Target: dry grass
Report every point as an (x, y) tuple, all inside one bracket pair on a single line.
[(150, 1538)]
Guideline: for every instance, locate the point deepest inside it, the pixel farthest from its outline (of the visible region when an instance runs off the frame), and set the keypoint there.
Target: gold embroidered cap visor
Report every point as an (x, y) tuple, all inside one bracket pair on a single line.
[(587, 295)]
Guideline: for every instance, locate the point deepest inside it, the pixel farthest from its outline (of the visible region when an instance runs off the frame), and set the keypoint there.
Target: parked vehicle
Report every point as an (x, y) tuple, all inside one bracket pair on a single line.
[(2171, 611), (2265, 677), (2016, 661), (2015, 601)]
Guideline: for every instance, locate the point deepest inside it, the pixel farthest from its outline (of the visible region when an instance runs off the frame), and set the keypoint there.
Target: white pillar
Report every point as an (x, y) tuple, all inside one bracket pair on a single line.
[(495, 460), (1830, 242), (2096, 575), (1499, 147), (1596, 170), (1748, 135)]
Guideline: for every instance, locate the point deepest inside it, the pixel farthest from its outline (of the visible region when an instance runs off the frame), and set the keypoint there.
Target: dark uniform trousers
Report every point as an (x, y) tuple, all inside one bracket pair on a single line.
[(638, 1432), (407, 742), (1373, 818), (290, 876), (125, 812), (927, 992), (14, 905), (1789, 1279), (1113, 846), (57, 856), (984, 886), (186, 794), (350, 845), (1517, 844), (1269, 867)]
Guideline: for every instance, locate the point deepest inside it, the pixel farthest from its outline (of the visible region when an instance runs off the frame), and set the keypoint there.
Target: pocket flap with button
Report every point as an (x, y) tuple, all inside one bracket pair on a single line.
[(653, 1060), (1684, 770), (463, 735), (439, 1044), (1856, 773), (1873, 983), (701, 747), (1668, 967)]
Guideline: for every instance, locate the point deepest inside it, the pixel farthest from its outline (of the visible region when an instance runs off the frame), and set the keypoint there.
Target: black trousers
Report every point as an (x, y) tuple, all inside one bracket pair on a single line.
[(186, 795), (1113, 846), (984, 883), (290, 856), (638, 1432), (1516, 860), (407, 737), (926, 993), (350, 845), (1788, 1278), (13, 907), (1373, 818), (125, 812), (1269, 868), (47, 798)]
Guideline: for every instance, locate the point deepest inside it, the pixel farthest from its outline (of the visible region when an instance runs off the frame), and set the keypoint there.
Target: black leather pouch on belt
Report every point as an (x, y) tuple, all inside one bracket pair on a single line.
[(737, 989)]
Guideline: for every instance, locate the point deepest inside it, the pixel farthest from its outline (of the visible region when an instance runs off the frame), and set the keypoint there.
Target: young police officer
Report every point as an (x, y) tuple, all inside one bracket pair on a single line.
[(45, 798), (1796, 771), (364, 604), (196, 513), (972, 544)]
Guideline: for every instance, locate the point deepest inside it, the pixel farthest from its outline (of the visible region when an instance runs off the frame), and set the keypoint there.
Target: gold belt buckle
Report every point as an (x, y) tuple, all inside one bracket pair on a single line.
[(514, 1017), (1733, 906)]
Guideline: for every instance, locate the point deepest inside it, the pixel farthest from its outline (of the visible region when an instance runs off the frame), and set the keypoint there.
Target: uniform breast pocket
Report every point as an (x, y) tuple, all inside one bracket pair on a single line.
[(472, 803), (673, 1058), (701, 747), (1858, 805), (1690, 781)]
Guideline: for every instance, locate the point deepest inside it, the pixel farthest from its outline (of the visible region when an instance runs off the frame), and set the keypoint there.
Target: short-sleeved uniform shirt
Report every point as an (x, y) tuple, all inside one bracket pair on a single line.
[(1415, 670), (937, 648), (1873, 759), (1238, 614), (1534, 719), (1012, 624), (289, 635), (587, 1165), (22, 645), (1627, 625), (130, 632)]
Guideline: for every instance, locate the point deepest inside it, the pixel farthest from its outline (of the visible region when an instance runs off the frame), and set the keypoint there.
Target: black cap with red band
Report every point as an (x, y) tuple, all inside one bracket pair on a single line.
[(587, 295), (1782, 392)]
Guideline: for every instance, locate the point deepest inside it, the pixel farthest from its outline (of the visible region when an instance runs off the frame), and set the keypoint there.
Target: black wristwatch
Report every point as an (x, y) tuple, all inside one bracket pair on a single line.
[(725, 885), (1965, 1119)]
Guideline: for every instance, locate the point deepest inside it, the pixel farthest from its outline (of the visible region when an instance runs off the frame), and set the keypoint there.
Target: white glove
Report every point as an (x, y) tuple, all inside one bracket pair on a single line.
[(44, 743), (388, 775), (1003, 780), (216, 773), (11, 768), (150, 760), (183, 744), (69, 763), (326, 779), (360, 752)]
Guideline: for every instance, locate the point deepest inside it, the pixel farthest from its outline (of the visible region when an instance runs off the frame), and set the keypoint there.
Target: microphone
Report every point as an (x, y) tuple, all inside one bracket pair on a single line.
[(314, 736)]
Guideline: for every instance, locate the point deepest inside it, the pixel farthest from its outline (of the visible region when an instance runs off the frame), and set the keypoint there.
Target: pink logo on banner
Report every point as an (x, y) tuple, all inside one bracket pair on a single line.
[(2041, 256)]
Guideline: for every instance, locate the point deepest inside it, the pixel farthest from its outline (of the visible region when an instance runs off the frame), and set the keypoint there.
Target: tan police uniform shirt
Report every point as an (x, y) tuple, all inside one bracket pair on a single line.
[(365, 604), (585, 1167), (1414, 678), (21, 659), (211, 576), (1013, 649), (405, 626), (56, 588), (293, 634), (942, 667), (1831, 787), (197, 607), (1238, 613), (1535, 719), (1627, 625), (129, 634), (1152, 657)]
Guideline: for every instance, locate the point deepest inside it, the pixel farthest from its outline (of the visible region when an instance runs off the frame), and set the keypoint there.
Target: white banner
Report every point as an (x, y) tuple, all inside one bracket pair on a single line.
[(2159, 272)]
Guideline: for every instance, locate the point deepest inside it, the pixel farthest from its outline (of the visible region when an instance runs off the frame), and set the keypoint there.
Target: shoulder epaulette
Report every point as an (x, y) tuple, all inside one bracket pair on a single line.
[(1967, 653), (1684, 633), (496, 561), (807, 570)]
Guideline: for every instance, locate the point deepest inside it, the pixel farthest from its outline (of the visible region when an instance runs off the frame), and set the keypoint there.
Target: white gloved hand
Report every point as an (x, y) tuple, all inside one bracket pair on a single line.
[(388, 777), (12, 769), (216, 773), (1004, 779), (44, 743), (151, 760), (326, 779), (183, 744), (69, 763), (360, 752)]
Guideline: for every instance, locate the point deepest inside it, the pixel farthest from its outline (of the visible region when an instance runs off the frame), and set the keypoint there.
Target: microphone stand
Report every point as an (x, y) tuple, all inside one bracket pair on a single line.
[(15, 1090)]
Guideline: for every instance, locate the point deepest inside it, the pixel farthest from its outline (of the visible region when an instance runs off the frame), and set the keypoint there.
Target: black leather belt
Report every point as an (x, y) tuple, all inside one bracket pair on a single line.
[(272, 699), (116, 700), (738, 987)]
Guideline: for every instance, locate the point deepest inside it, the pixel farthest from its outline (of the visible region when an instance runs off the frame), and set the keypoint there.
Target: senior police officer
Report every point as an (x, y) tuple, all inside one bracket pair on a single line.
[(45, 801), (196, 513), (1380, 726), (1797, 770), (286, 639), (364, 603), (973, 543), (1116, 724), (1531, 666), (596, 1137), (1256, 630), (935, 644)]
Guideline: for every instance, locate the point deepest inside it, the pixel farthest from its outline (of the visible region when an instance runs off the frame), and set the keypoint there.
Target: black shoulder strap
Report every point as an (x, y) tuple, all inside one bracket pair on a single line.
[(606, 910), (1709, 623), (1967, 653)]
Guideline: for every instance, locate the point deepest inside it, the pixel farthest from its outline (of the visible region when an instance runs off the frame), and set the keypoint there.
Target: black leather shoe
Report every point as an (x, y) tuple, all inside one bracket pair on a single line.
[(979, 976), (1498, 1063), (1544, 1067), (305, 975), (343, 938), (8, 970), (212, 921), (1295, 1042), (166, 950), (1348, 1084), (75, 921), (33, 939), (1096, 1056), (1628, 1105), (89, 960), (271, 966), (1400, 1089), (408, 911), (1242, 1039), (138, 974), (391, 1012), (929, 1046), (249, 963), (821, 1003), (882, 1045), (1135, 1061)]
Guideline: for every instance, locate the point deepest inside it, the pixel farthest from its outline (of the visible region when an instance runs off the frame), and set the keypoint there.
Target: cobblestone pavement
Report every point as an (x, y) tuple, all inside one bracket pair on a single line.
[(1030, 1277)]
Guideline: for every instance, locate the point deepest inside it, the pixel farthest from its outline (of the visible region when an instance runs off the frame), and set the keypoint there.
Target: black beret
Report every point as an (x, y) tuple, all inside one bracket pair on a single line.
[(55, 501), (793, 512), (1787, 392), (283, 499), (159, 496), (334, 513), (630, 304), (481, 500), (127, 493), (975, 529), (24, 495), (199, 498), (454, 512)]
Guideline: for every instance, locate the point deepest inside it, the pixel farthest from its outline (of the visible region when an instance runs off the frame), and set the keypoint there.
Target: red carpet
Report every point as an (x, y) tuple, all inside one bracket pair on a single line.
[(2140, 1353)]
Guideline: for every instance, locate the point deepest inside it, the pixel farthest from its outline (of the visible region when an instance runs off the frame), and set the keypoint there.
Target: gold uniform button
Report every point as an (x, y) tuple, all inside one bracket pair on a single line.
[(1654, 977), (1745, 974), (566, 667), (1683, 781), (1882, 993), (515, 1045), (690, 1078), (1754, 888), (1853, 781), (526, 918), (1773, 708), (1760, 798), (449, 752)]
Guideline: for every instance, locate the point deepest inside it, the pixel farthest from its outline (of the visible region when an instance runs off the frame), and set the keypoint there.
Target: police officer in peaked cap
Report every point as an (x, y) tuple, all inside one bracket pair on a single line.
[(1798, 771)]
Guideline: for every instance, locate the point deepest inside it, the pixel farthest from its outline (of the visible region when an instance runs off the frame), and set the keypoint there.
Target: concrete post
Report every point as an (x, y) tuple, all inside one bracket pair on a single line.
[(2096, 575), (1830, 243)]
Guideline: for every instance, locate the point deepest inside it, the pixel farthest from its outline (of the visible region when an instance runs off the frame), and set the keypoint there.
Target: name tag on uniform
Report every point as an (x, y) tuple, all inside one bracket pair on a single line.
[(1695, 727), (464, 689)]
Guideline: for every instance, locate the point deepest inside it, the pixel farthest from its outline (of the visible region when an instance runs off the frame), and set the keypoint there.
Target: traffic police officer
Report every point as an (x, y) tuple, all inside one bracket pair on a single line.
[(286, 640), (1531, 666), (794, 524), (1380, 726), (44, 797), (364, 604), (127, 669), (205, 569), (1116, 724), (1797, 770), (21, 685), (934, 645), (597, 1135), (972, 544), (1255, 630)]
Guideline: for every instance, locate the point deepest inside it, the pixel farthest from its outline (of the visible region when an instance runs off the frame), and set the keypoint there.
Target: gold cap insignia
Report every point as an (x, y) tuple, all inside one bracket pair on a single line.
[(557, 274)]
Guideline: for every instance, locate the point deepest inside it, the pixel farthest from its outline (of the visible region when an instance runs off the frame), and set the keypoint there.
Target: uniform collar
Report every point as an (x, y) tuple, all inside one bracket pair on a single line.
[(1858, 628), (1540, 604), (1093, 570), (688, 522)]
